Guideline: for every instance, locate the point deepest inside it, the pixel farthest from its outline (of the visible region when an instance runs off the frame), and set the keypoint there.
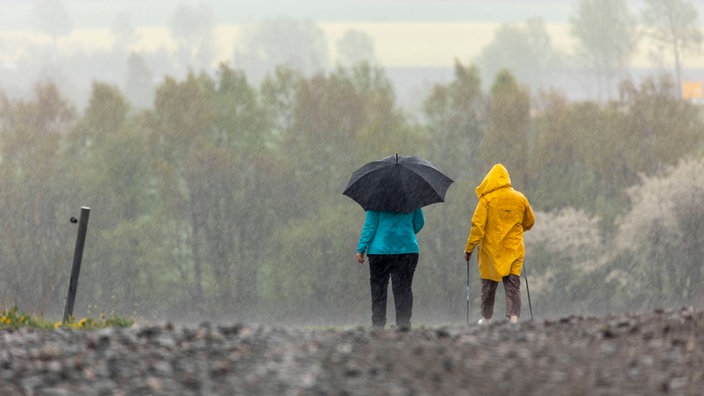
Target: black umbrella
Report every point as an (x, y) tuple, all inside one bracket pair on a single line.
[(397, 184)]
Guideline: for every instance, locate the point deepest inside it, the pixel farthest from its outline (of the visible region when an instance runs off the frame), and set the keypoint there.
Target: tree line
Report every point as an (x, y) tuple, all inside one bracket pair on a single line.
[(224, 199)]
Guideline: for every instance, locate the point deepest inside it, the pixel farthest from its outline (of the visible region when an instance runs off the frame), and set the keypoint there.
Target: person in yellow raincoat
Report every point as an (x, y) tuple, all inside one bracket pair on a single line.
[(499, 220)]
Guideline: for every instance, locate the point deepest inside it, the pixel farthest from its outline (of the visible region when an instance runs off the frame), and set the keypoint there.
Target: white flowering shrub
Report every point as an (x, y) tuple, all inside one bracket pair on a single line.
[(563, 252), (569, 233), (661, 238)]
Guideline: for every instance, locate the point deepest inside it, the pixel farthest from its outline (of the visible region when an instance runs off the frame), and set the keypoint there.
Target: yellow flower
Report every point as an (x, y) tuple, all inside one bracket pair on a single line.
[(81, 323), (57, 325)]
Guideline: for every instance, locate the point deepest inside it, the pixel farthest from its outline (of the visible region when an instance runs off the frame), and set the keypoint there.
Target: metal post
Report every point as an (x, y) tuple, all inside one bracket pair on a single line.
[(76, 267)]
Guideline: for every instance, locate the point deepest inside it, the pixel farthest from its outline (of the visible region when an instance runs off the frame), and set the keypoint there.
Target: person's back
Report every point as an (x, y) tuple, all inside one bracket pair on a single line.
[(508, 215), (500, 218), (391, 233)]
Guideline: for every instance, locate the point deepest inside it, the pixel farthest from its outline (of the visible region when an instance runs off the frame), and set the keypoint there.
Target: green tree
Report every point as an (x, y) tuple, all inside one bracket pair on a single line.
[(508, 126), (555, 156), (455, 117), (106, 113), (339, 122), (385, 129), (310, 275), (278, 95), (241, 159), (606, 35), (216, 154), (181, 120), (122, 198), (600, 146), (455, 120), (111, 166), (672, 24), (662, 129), (35, 207), (328, 113), (240, 122)]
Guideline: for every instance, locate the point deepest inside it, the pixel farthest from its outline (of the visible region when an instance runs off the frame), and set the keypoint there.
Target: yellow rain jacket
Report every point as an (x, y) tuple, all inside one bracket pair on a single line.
[(501, 216)]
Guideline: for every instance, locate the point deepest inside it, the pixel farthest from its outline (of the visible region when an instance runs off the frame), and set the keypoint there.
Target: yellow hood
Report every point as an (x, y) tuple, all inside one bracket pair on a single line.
[(496, 178)]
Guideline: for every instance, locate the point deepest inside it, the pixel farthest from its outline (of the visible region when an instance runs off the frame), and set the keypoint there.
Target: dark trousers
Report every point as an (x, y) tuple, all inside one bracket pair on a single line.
[(512, 287), (400, 268)]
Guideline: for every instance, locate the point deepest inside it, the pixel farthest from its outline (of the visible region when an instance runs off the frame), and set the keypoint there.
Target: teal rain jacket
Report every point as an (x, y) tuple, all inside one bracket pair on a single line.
[(390, 232)]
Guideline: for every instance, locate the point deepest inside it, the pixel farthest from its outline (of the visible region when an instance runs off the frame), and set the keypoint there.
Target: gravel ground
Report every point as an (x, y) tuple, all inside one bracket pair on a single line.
[(652, 353)]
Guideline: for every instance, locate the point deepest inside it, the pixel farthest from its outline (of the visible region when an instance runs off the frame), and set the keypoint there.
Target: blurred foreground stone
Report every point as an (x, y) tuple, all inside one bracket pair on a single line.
[(652, 353)]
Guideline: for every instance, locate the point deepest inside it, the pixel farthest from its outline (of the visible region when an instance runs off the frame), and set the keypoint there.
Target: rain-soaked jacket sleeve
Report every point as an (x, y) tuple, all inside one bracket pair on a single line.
[(476, 233), (418, 220), (371, 222)]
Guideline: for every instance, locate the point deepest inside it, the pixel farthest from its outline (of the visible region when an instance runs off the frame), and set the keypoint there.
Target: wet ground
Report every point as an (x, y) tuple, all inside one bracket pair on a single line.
[(650, 353)]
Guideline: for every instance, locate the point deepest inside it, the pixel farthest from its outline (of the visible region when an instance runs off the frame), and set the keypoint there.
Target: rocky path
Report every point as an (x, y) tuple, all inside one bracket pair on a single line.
[(652, 353)]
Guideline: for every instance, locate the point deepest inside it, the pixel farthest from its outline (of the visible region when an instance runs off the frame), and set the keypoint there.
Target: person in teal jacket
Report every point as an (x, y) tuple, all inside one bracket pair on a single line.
[(389, 240)]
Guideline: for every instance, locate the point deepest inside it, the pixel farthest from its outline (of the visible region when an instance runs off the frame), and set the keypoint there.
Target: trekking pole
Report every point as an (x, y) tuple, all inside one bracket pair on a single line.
[(467, 289), (525, 274)]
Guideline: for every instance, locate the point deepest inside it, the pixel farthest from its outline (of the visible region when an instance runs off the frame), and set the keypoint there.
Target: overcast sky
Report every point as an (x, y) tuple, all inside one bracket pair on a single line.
[(449, 28), (233, 11), (17, 14)]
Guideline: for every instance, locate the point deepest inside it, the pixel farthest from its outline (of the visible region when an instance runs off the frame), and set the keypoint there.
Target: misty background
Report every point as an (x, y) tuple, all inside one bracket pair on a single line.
[(212, 141)]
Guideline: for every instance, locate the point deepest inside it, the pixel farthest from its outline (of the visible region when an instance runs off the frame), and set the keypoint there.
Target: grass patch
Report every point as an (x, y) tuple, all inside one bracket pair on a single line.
[(12, 318)]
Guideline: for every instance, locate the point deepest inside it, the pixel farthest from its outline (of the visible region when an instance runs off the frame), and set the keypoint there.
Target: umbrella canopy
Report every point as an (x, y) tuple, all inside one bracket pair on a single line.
[(397, 184)]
